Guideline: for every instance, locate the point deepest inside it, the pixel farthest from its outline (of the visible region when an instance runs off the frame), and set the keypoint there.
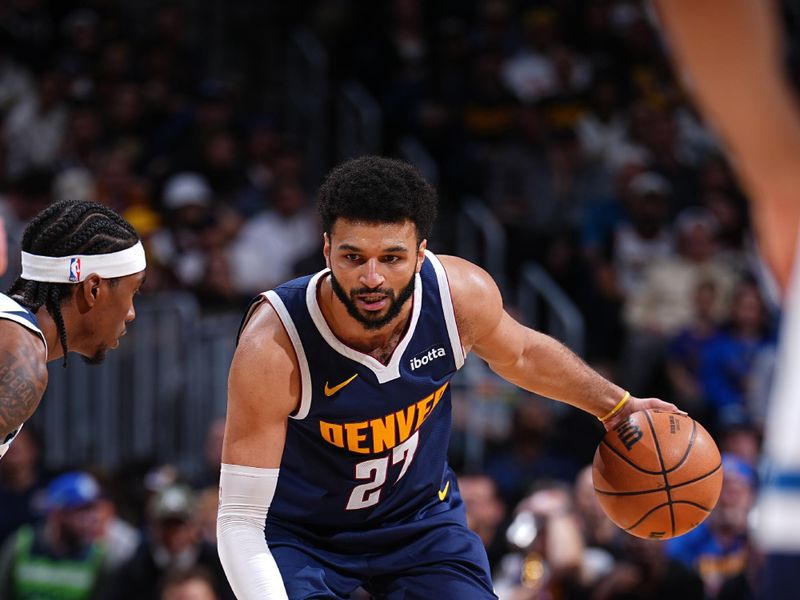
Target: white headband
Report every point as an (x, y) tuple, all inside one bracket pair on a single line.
[(74, 269)]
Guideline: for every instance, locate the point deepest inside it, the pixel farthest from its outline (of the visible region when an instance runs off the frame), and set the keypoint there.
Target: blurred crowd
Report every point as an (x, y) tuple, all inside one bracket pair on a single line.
[(563, 116)]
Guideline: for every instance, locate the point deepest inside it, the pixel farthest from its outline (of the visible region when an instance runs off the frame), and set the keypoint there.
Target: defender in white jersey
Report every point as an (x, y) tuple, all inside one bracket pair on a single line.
[(81, 266), (731, 55)]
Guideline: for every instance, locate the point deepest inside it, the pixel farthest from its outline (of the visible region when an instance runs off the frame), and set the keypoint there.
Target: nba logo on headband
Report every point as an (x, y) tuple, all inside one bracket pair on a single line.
[(75, 270)]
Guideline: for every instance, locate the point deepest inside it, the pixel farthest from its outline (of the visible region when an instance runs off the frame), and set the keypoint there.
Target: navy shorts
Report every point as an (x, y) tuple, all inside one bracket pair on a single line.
[(414, 561), (778, 579)]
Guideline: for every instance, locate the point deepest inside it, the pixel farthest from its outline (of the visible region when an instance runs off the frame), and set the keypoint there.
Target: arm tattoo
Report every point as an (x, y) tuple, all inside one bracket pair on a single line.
[(23, 378)]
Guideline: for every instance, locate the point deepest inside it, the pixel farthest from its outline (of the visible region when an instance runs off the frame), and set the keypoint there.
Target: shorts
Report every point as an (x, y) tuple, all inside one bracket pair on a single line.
[(415, 561)]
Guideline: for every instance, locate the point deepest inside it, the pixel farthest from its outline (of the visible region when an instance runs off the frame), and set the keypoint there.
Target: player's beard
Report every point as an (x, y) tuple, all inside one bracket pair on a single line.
[(366, 319), (97, 358)]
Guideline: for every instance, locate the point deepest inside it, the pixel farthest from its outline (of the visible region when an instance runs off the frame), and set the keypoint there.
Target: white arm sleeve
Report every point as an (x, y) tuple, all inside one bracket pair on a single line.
[(244, 499)]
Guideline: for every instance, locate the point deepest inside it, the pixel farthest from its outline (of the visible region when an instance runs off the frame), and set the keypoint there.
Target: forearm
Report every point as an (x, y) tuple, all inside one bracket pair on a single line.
[(549, 368), (729, 53), (245, 496)]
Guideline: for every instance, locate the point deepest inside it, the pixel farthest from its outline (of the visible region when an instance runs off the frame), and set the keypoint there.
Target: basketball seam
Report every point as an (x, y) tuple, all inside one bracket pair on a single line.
[(663, 470), (655, 508), (688, 448), (629, 461), (677, 485)]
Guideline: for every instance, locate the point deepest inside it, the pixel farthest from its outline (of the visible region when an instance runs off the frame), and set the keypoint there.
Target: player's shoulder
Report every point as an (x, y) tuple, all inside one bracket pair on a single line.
[(265, 363), (262, 328), (263, 339), (465, 277), (477, 302), (17, 339)]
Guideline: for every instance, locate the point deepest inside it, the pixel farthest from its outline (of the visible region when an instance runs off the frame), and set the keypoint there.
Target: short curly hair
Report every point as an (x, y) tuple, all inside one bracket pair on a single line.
[(375, 189)]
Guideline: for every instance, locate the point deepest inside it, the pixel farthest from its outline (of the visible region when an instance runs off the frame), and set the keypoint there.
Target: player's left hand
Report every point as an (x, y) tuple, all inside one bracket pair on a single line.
[(636, 404)]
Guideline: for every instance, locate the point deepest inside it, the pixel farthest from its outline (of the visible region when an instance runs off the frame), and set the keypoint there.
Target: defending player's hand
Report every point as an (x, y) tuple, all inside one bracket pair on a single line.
[(636, 404)]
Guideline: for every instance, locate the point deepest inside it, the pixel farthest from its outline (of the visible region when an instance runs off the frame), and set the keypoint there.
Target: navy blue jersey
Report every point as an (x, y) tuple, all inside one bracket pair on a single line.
[(367, 446), (11, 310)]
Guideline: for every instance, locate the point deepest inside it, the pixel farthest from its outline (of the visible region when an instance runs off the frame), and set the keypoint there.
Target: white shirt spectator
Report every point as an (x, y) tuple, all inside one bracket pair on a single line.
[(268, 246), (34, 136)]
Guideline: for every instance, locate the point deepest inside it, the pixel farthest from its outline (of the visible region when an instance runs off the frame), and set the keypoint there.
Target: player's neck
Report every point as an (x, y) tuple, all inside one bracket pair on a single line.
[(50, 331)]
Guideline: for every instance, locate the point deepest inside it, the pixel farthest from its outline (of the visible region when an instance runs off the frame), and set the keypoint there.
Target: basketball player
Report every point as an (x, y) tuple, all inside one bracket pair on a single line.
[(730, 53), (81, 266), (339, 405)]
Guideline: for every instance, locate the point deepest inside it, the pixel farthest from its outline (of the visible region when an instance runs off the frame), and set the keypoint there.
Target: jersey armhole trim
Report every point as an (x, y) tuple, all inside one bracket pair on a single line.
[(448, 309), (297, 344), (27, 325)]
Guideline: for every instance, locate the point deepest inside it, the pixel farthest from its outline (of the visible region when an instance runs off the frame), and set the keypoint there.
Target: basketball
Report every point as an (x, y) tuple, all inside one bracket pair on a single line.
[(658, 474)]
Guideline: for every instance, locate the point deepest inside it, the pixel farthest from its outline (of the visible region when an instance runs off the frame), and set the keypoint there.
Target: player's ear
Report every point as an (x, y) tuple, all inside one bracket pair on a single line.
[(326, 249), (88, 291), (421, 254)]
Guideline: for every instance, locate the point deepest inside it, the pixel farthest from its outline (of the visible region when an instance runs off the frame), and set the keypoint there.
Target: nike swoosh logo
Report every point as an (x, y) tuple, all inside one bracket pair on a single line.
[(330, 391), (443, 493)]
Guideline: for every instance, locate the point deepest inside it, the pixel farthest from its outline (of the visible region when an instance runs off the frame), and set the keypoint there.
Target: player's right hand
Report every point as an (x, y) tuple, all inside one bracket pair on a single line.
[(636, 404)]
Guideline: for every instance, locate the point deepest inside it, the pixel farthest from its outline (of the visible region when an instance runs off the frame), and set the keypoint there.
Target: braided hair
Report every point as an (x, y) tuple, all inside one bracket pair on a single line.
[(66, 228)]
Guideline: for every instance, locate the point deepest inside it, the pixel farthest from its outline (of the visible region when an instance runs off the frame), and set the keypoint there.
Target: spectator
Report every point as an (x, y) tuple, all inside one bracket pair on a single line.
[(179, 248), (664, 303), (486, 514), (718, 547), (528, 456), (601, 535), (602, 129), (686, 349), (188, 584), (35, 127), (63, 556), (212, 455), (21, 478), (538, 185), (740, 436), (645, 238), (285, 233), (120, 539), (549, 548), (173, 541), (727, 359), (646, 573)]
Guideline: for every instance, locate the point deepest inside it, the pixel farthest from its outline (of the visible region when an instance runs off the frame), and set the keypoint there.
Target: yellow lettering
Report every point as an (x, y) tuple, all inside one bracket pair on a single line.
[(423, 410), (332, 433), (354, 438), (405, 420), (438, 395), (387, 432), (383, 433)]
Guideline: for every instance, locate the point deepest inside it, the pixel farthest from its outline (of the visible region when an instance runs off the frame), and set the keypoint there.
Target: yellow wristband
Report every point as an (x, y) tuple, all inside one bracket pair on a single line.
[(616, 409)]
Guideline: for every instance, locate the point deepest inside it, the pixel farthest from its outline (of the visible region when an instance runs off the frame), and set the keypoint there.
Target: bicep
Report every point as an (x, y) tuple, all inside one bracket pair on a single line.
[(23, 376), (263, 389)]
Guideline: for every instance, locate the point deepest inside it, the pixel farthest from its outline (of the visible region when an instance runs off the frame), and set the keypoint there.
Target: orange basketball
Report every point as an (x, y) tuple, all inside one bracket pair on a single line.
[(658, 474)]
